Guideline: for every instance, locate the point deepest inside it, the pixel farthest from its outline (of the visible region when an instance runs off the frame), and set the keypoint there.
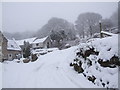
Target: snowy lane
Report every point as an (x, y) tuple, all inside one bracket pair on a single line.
[(49, 71)]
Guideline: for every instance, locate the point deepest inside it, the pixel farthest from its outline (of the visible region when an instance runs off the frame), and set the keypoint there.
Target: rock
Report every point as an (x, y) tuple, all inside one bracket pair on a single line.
[(18, 61), (71, 64), (112, 63), (84, 74), (103, 84), (91, 78), (115, 60), (78, 68)]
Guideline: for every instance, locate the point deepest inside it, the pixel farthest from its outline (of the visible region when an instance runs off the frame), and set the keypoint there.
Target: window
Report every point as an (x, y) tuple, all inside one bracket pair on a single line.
[(12, 46), (10, 55), (48, 45), (37, 44)]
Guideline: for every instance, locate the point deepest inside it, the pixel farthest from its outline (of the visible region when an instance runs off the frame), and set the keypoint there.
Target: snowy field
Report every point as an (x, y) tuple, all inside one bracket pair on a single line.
[(53, 70)]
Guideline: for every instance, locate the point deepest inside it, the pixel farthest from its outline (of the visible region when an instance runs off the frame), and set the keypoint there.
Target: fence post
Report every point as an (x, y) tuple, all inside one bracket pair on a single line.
[(100, 30)]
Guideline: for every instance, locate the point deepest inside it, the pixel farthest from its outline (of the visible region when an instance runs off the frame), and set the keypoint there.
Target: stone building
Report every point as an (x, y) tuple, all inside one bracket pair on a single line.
[(13, 50), (3, 45), (9, 49)]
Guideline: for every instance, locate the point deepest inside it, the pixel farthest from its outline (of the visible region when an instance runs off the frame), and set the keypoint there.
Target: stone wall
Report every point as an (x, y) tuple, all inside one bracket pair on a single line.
[(4, 48)]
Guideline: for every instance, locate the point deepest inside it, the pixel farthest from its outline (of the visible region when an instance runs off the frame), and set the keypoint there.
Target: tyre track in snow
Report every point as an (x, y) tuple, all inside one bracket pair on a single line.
[(60, 60)]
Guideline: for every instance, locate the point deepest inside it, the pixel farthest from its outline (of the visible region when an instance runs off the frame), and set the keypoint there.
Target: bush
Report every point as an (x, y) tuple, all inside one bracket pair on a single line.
[(34, 57), (26, 60)]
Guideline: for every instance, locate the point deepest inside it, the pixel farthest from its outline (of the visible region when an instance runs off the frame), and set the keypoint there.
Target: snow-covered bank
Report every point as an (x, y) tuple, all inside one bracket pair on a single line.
[(49, 71), (98, 61)]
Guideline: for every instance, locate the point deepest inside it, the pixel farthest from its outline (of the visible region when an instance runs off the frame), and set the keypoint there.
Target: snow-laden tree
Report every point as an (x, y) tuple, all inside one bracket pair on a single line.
[(87, 23), (26, 50)]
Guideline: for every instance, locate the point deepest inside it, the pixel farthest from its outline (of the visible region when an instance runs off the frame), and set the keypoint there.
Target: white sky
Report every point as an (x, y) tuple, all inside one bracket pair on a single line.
[(22, 16)]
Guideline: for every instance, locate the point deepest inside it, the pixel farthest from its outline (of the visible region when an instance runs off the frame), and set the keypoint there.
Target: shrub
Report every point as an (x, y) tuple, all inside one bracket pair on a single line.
[(26, 60), (34, 57)]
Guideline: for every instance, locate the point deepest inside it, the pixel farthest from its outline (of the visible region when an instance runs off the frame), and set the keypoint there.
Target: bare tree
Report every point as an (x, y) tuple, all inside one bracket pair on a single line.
[(86, 23)]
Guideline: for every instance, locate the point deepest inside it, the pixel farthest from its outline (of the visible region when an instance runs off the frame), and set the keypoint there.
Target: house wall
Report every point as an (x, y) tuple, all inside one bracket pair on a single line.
[(14, 54), (43, 44), (4, 48), (1, 40), (35, 46), (46, 42)]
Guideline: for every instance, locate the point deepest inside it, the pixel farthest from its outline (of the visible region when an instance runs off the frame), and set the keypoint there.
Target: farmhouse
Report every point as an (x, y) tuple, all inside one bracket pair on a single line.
[(42, 43), (13, 50), (9, 49)]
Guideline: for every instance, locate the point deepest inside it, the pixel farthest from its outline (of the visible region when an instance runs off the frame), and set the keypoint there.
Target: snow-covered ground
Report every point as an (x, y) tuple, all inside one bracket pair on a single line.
[(53, 70), (49, 71)]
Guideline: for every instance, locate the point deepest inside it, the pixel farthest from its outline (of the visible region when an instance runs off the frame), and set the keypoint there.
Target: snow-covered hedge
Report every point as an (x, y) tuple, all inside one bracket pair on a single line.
[(98, 61)]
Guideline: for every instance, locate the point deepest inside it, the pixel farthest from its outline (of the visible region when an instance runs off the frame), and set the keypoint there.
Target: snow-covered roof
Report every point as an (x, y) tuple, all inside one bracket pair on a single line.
[(40, 40), (108, 33), (12, 45), (30, 40)]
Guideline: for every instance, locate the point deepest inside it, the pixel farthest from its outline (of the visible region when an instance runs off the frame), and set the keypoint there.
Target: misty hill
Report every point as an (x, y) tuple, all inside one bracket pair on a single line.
[(54, 24), (57, 24), (19, 36)]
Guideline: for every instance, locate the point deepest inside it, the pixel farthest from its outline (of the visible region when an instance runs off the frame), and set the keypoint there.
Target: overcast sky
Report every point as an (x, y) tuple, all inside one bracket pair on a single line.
[(26, 16)]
